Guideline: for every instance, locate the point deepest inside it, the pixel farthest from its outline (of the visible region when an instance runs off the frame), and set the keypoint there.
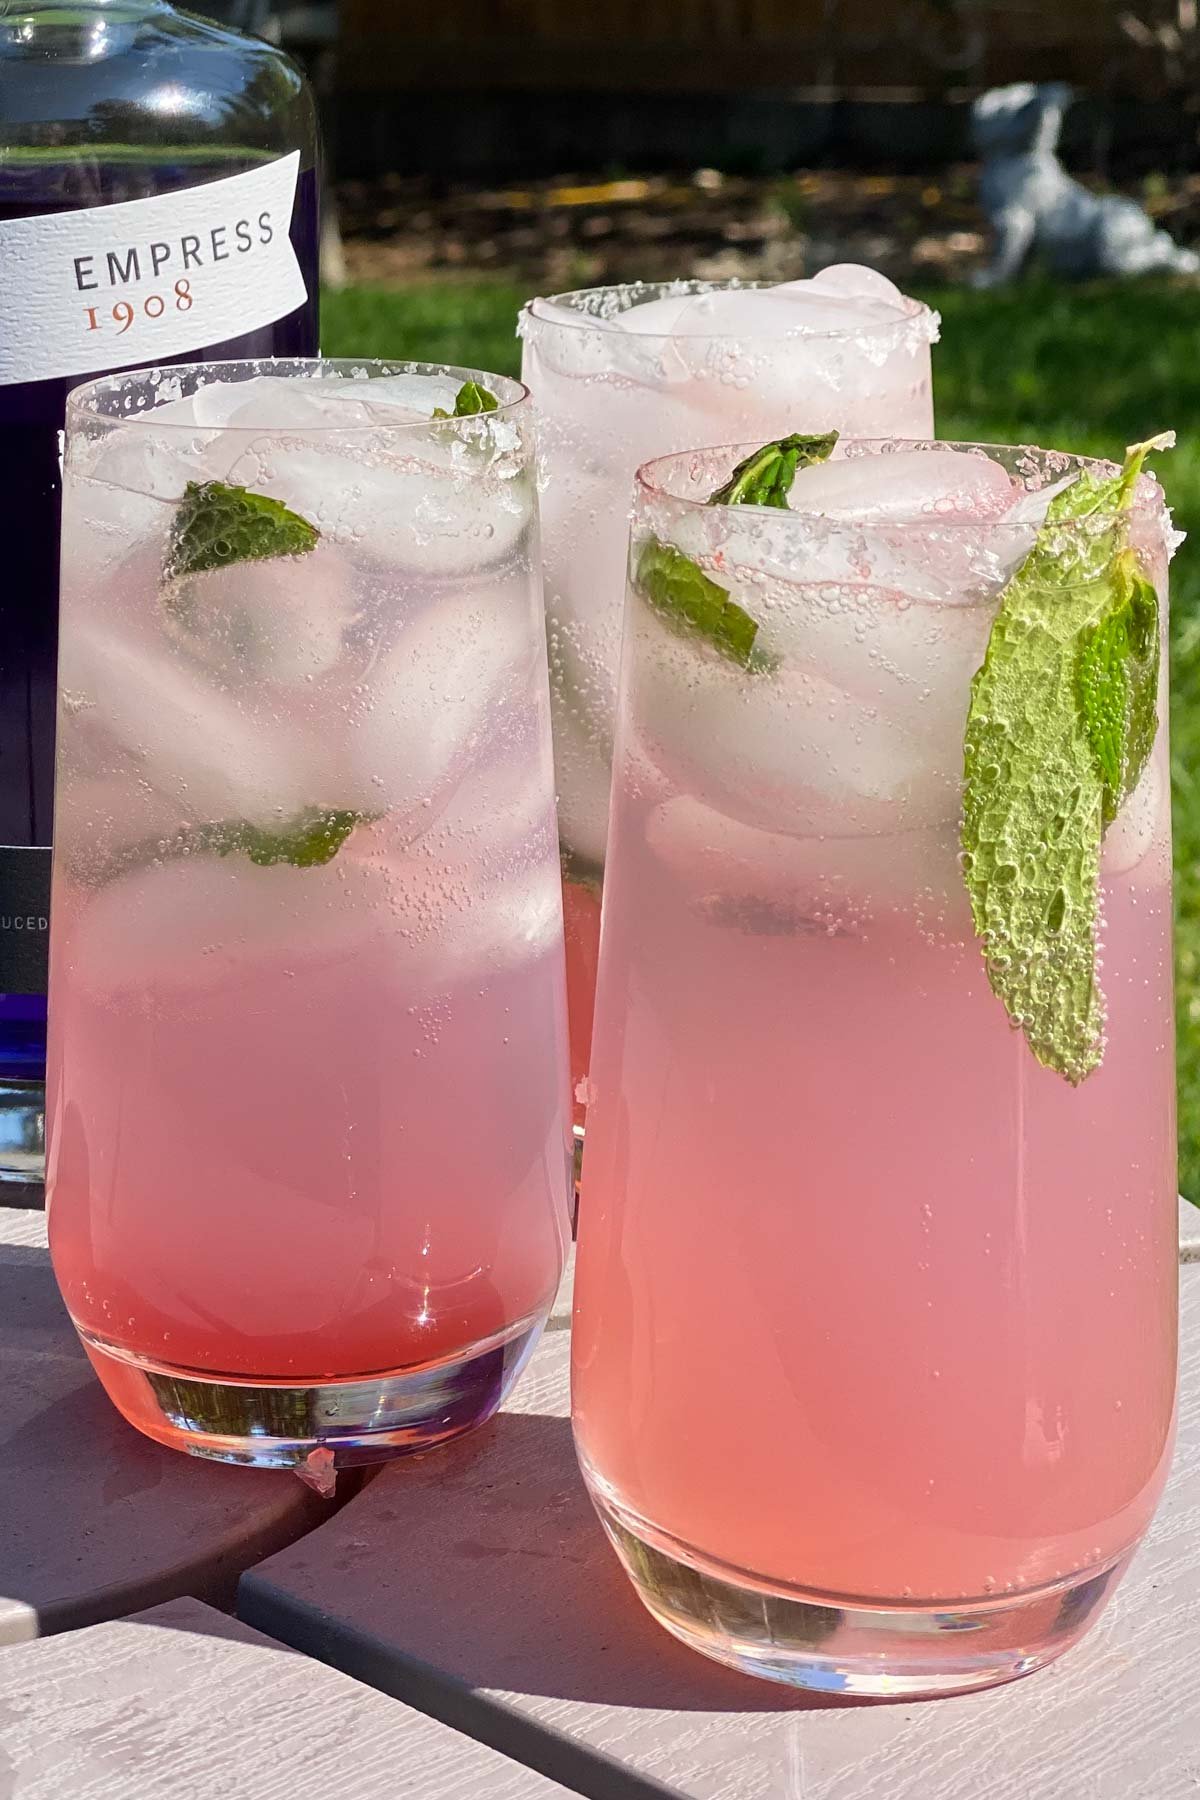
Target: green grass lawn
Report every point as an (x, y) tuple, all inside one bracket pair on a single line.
[(1086, 369)]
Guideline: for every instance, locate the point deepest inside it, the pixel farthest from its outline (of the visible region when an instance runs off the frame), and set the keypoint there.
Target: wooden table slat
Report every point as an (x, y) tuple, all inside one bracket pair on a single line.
[(182, 1703), (475, 1582)]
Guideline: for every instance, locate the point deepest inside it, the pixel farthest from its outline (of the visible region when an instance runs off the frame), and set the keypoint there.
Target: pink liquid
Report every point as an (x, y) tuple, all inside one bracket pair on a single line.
[(868, 1303), (308, 1169)]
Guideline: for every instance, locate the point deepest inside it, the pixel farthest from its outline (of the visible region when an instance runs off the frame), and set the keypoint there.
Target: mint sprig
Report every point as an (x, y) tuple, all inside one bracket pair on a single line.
[(1062, 720), (677, 587), (765, 477), (472, 397), (307, 840), (216, 525), (691, 602)]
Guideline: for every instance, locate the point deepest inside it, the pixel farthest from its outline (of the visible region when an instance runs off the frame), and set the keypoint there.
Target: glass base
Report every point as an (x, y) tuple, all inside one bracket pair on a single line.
[(317, 1429), (835, 1645), (22, 1140)]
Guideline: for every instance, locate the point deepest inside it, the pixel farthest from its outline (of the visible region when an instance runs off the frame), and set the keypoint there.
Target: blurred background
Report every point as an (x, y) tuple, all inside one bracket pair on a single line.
[(484, 150), (570, 143)]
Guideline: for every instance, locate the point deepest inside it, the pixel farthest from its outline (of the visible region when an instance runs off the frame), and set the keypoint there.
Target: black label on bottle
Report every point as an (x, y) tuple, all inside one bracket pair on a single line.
[(24, 919)]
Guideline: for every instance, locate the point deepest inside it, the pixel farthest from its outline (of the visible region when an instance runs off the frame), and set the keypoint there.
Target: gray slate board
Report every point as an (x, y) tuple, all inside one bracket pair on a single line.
[(182, 1703), (95, 1520), (474, 1582)]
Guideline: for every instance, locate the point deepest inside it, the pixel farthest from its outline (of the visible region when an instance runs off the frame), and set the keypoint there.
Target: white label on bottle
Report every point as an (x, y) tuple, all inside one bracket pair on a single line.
[(148, 280)]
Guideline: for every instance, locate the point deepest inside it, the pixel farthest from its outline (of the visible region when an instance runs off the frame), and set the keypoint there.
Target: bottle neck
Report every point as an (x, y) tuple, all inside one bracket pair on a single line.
[(24, 18), (13, 12), (80, 30)]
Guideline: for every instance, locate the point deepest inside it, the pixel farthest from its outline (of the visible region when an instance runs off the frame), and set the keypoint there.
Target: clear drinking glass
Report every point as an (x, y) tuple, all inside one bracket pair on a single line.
[(874, 1343), (310, 1144), (621, 374)]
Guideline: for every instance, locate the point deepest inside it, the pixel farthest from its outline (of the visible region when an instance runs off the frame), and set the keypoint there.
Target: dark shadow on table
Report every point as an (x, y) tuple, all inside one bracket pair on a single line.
[(97, 1519), (30, 1302), (23, 1196), (468, 1579), (482, 1566)]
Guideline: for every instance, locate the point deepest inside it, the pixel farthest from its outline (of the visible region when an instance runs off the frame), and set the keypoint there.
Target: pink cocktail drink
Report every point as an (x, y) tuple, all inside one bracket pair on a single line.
[(309, 1157), (875, 1332), (627, 373)]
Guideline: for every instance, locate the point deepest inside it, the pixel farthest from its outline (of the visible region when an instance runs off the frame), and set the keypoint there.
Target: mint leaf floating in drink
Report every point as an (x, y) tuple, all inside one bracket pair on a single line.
[(679, 590), (690, 600), (1062, 719), (470, 398), (765, 478), (216, 525), (307, 841)]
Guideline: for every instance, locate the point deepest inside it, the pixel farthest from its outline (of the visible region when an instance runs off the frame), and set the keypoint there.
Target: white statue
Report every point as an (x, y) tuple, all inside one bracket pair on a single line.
[(1035, 206)]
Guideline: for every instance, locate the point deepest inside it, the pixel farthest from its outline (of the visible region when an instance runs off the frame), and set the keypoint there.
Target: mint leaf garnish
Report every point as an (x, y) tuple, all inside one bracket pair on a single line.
[(1062, 719), (307, 841), (216, 525), (689, 601), (470, 398), (765, 478), (1117, 682)]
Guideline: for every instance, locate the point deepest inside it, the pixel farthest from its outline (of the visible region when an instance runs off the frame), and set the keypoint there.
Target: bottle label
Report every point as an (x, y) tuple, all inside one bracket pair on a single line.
[(148, 280), (24, 918)]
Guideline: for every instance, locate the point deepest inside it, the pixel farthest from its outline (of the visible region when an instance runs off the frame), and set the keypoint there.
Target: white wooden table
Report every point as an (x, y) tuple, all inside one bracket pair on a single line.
[(475, 1584), (182, 1703), (460, 1628)]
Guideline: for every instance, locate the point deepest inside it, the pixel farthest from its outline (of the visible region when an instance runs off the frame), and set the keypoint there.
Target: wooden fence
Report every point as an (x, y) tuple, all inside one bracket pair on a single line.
[(805, 48)]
